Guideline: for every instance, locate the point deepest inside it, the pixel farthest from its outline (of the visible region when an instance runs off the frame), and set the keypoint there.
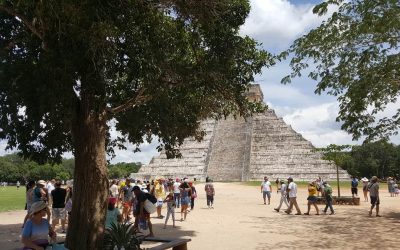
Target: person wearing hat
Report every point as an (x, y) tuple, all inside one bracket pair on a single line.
[(292, 191), (312, 197), (328, 197), (113, 215), (37, 230), (40, 194), (365, 182), (283, 190), (170, 208), (266, 190), (140, 212), (374, 195)]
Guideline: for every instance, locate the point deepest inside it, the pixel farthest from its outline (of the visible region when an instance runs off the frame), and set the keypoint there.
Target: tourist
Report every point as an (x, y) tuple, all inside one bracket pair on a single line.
[(18, 184), (283, 196), (114, 189), (140, 211), (390, 184), (50, 187), (185, 198), (159, 192), (319, 184), (278, 185), (126, 198), (177, 192), (210, 193), (292, 190), (312, 198), (29, 199), (59, 196), (193, 195), (266, 190), (328, 197), (170, 208), (354, 186), (365, 188), (373, 188), (40, 194), (113, 215), (37, 230)]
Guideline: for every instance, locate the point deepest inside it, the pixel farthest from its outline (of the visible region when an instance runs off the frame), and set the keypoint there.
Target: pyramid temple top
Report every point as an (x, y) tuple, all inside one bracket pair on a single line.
[(255, 93)]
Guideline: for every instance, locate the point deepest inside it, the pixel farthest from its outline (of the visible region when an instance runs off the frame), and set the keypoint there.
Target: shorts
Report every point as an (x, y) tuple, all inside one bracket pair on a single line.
[(185, 200), (59, 213), (312, 199), (374, 200), (354, 190), (267, 193)]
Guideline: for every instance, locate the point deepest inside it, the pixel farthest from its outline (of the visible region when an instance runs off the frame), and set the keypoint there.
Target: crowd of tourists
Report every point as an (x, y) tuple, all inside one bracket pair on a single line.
[(320, 190)]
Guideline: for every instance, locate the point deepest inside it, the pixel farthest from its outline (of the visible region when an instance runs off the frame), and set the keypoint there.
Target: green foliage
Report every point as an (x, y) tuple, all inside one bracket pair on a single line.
[(122, 236), (356, 54), (12, 198), (378, 158), (123, 169)]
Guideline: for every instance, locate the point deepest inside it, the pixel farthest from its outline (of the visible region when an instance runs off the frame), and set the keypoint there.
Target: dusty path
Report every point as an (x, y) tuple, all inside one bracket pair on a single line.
[(240, 220)]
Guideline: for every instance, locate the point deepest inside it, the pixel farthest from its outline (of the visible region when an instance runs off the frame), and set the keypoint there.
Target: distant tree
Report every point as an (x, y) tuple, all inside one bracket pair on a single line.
[(356, 54), (69, 69), (123, 169)]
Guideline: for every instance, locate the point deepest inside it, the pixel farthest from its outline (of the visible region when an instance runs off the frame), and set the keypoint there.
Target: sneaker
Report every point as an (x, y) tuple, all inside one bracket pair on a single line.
[(378, 215), (332, 213), (297, 214), (306, 214), (288, 212), (276, 210)]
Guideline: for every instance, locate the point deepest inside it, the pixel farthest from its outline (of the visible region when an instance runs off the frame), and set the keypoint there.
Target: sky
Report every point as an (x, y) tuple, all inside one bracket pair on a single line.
[(276, 24)]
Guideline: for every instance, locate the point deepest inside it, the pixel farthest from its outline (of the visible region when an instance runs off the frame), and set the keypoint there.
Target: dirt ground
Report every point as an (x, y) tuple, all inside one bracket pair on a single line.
[(240, 220)]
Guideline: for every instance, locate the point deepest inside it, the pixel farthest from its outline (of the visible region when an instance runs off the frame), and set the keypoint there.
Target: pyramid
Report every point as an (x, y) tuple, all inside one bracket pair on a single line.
[(245, 150)]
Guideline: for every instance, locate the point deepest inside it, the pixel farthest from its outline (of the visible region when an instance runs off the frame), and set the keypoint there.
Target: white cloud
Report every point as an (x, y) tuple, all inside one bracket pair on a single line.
[(276, 23)]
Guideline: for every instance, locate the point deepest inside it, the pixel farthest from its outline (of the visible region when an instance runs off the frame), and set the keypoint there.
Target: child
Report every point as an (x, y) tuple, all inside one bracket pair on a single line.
[(170, 208)]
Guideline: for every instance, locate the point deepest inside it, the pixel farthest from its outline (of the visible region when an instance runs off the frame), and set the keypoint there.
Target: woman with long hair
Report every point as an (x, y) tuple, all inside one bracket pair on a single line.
[(185, 189)]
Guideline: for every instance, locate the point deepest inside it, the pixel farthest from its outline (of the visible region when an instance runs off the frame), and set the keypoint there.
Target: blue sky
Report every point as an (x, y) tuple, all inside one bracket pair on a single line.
[(276, 24)]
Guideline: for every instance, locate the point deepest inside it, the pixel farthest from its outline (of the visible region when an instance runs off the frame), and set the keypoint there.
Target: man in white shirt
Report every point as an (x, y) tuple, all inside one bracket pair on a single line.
[(266, 190), (50, 187), (114, 190), (283, 196), (292, 190), (177, 192)]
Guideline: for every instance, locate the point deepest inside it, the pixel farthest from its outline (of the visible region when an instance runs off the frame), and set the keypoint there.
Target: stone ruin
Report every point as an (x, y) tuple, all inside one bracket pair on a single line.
[(245, 150)]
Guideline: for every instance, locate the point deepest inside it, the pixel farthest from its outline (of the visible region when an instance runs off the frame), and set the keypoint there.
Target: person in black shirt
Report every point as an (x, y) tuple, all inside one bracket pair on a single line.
[(59, 212), (140, 212)]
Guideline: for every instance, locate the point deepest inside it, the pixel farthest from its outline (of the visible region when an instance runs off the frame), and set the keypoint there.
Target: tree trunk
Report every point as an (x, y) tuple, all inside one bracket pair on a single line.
[(86, 227)]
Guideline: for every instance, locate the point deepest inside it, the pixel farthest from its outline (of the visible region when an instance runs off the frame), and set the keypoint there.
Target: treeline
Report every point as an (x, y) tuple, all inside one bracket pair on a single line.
[(379, 158), (13, 168)]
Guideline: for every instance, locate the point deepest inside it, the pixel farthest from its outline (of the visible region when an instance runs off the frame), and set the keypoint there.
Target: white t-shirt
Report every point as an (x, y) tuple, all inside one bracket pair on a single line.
[(266, 186), (293, 190), (283, 189), (50, 187), (114, 190), (176, 187)]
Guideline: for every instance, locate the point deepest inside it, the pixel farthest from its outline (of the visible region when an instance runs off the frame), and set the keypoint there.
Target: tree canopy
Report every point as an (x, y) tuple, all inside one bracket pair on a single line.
[(69, 69), (355, 55)]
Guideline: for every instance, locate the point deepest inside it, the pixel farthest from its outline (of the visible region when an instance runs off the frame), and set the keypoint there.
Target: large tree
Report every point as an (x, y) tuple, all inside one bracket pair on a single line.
[(69, 69), (355, 55)]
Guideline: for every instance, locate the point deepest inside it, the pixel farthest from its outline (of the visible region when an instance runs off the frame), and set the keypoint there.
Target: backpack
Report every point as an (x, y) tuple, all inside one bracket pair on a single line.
[(151, 198), (354, 183)]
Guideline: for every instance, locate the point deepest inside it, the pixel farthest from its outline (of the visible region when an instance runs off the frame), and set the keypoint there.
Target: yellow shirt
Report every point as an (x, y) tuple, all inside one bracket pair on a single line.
[(312, 191)]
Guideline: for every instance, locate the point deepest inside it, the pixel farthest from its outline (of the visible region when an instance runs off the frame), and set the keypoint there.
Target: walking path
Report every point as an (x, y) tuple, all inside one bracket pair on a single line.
[(240, 220)]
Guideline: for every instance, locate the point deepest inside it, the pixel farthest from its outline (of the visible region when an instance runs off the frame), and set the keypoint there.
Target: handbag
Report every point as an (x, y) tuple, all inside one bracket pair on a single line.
[(150, 207)]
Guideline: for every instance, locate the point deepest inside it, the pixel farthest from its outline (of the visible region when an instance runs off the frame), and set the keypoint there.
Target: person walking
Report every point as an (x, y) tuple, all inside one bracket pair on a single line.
[(374, 195), (126, 197), (292, 190), (140, 211), (354, 186), (266, 190), (159, 192), (312, 197), (328, 197), (210, 193), (185, 190), (365, 182), (177, 192), (170, 209), (59, 196), (193, 195), (284, 197)]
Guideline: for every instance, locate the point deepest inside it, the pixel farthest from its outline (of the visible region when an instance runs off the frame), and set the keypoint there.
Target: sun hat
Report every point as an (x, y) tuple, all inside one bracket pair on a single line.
[(41, 182), (37, 206), (364, 179)]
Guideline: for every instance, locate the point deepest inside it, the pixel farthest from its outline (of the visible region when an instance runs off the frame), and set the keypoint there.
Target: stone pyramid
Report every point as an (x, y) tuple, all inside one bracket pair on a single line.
[(243, 150)]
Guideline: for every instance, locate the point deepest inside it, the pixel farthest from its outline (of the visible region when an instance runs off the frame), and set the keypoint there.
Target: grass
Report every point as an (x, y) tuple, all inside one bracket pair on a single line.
[(12, 198)]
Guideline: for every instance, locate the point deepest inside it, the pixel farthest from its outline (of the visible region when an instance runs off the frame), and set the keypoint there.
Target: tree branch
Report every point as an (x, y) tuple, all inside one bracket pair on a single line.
[(23, 19), (132, 102)]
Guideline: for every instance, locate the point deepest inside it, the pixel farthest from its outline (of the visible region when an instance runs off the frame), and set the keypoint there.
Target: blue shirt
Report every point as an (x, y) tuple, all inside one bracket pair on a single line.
[(38, 233)]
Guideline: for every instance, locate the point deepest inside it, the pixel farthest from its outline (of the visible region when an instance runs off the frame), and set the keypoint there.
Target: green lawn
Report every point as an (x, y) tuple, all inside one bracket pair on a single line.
[(12, 198)]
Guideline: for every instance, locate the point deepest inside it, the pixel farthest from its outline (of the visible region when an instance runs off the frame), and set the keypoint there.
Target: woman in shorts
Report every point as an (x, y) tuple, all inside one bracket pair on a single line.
[(312, 198), (185, 199)]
